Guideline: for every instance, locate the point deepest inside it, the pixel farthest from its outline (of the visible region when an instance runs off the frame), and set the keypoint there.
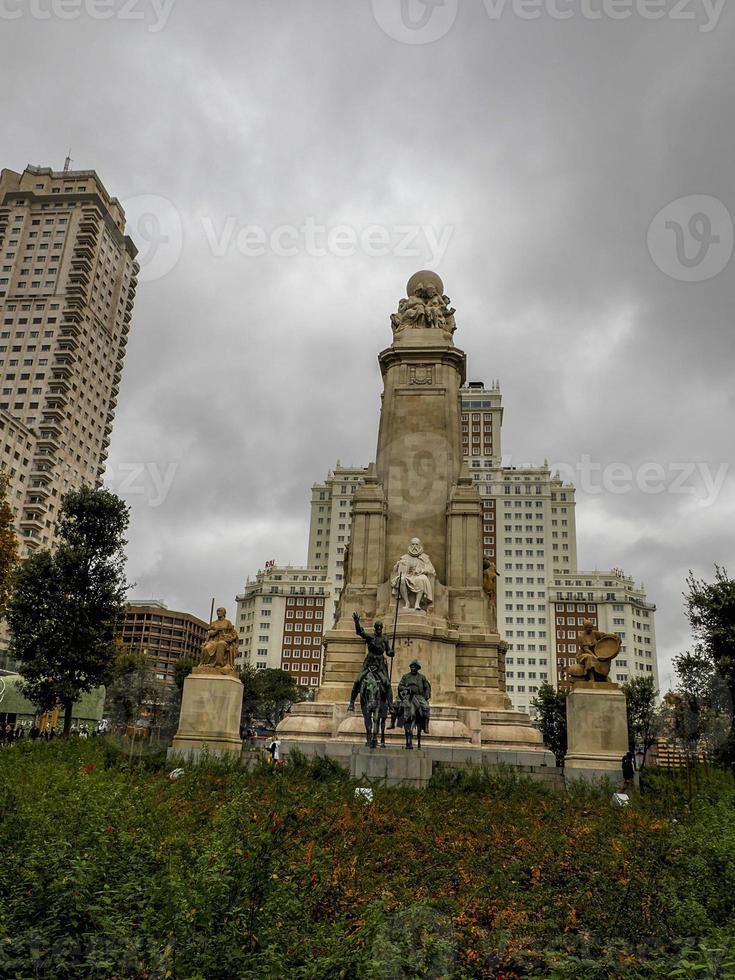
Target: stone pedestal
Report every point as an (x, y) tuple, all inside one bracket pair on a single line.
[(210, 716), (598, 731), (395, 767)]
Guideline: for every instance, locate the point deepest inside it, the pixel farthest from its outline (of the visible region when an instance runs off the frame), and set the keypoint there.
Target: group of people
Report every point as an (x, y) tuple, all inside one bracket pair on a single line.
[(11, 733)]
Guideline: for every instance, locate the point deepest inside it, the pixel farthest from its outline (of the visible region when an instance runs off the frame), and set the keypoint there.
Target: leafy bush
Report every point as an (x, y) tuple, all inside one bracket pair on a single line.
[(110, 871)]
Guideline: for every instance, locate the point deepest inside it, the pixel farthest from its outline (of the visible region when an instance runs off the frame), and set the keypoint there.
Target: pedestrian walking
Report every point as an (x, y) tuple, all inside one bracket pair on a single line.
[(628, 766)]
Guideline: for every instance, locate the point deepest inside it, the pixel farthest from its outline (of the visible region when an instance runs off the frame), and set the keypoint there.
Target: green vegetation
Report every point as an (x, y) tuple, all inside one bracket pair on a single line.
[(8, 546), (644, 716), (551, 719), (117, 871), (707, 676), (268, 695), (66, 602)]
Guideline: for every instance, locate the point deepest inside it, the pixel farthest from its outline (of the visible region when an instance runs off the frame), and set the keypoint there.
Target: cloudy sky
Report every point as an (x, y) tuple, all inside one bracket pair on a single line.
[(565, 165)]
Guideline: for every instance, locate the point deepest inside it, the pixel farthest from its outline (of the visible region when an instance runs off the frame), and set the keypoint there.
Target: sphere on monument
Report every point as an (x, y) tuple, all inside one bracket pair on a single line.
[(428, 278)]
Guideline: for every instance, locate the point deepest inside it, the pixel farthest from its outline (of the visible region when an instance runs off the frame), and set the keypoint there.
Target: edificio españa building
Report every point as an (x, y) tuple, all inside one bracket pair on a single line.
[(67, 285)]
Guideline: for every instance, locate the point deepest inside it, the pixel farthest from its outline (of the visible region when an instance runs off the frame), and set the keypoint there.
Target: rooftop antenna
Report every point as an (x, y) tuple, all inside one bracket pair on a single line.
[(68, 162)]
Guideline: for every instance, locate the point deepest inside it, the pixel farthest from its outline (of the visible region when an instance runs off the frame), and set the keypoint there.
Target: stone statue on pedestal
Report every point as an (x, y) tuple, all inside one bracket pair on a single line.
[(490, 588), (595, 654), (218, 650), (425, 308), (413, 578)]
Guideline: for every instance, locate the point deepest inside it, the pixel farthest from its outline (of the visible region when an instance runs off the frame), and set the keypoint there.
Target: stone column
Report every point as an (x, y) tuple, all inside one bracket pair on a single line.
[(419, 452)]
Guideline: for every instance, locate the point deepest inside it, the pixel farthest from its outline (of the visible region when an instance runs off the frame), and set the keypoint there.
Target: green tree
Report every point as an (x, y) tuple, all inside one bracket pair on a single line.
[(701, 716), (644, 716), (182, 668), (268, 696), (8, 546), (130, 686), (67, 602), (710, 608), (551, 720)]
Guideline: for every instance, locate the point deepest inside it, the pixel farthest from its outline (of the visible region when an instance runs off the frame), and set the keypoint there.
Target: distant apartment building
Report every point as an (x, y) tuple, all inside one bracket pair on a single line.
[(331, 522), (162, 635), (281, 618), (529, 530), (67, 285), (614, 604)]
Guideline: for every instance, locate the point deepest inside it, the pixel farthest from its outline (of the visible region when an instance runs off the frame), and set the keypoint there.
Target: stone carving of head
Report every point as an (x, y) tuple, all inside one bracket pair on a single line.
[(415, 547), (221, 612)]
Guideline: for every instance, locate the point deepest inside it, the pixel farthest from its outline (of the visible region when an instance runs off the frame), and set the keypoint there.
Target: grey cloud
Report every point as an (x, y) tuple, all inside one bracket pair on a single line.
[(547, 147)]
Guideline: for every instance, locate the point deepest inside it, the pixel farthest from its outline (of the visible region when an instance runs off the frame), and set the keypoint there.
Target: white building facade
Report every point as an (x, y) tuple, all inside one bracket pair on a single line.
[(331, 523), (281, 617)]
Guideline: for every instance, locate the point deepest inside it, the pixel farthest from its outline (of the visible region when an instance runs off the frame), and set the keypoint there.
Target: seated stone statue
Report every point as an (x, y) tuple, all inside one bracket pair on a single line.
[(413, 578), (218, 650), (595, 653)]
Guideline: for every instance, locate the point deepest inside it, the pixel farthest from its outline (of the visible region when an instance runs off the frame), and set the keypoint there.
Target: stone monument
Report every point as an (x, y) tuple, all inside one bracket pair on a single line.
[(212, 699), (597, 723), (416, 563)]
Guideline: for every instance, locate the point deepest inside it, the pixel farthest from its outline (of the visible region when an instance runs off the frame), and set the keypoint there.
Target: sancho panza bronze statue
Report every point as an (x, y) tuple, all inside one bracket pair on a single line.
[(378, 648)]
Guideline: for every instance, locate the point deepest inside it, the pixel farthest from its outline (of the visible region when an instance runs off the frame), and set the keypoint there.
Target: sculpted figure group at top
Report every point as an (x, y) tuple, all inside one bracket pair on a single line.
[(425, 308)]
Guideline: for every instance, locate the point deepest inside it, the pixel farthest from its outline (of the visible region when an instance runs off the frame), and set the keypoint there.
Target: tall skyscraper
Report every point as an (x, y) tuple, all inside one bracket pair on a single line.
[(67, 286), (529, 531)]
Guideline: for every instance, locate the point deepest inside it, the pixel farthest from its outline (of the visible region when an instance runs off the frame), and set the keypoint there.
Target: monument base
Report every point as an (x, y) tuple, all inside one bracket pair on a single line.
[(393, 764), (507, 732), (597, 729), (210, 716)]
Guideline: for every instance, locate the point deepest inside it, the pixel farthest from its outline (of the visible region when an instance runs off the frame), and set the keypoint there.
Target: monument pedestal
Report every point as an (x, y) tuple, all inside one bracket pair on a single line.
[(597, 729), (210, 716), (394, 766)]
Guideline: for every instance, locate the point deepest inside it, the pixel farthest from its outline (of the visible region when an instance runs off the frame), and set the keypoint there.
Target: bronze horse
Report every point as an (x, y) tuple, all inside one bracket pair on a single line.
[(408, 714), (374, 710)]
